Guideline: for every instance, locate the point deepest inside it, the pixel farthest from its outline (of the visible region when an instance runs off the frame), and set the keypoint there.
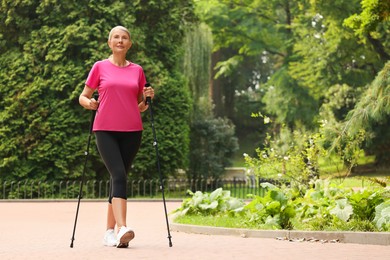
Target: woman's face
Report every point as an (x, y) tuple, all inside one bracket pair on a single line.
[(120, 41)]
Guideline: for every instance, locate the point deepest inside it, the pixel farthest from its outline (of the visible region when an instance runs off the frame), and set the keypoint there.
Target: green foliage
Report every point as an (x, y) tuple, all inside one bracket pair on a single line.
[(367, 111), (326, 53), (273, 211), (197, 63), (364, 203), (171, 122), (289, 157), (47, 49), (291, 103), (235, 24), (372, 25), (363, 126), (253, 40), (306, 48), (213, 139), (382, 216), (324, 206), (213, 143), (214, 203), (343, 210)]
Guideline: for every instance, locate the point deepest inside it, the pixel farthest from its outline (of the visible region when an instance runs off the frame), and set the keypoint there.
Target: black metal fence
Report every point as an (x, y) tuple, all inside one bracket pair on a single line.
[(174, 188)]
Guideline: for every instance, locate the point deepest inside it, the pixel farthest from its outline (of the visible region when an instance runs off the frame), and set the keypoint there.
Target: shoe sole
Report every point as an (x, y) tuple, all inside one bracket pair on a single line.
[(125, 239), (109, 244)]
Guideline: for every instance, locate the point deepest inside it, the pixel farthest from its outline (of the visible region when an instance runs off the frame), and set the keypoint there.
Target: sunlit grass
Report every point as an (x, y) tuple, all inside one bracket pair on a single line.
[(212, 221), (354, 182), (217, 221)]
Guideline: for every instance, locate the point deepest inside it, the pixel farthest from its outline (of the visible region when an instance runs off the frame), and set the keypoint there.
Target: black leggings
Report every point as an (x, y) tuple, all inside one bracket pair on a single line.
[(118, 150)]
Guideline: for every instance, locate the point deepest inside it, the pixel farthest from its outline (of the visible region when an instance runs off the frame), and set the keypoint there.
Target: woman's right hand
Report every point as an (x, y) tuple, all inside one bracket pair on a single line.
[(93, 104), (86, 100)]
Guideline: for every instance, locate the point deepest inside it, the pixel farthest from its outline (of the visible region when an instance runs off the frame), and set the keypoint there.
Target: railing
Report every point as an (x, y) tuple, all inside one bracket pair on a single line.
[(174, 188)]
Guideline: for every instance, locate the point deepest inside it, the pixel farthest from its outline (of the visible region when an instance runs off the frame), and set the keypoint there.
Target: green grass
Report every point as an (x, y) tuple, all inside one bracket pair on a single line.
[(222, 221), (333, 169), (239, 222), (354, 182), (216, 221)]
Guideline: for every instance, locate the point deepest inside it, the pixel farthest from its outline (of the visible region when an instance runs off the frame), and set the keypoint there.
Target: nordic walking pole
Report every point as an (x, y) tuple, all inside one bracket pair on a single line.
[(149, 102), (96, 97)]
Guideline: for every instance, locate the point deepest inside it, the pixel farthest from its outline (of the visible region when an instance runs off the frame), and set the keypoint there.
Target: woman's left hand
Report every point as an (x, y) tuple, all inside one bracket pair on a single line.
[(149, 92)]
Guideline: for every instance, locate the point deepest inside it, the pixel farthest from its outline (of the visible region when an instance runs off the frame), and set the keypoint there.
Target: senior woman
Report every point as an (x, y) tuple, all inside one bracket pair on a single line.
[(118, 125)]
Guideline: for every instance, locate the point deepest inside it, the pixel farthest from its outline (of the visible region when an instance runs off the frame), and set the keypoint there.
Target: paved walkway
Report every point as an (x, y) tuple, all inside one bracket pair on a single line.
[(42, 230)]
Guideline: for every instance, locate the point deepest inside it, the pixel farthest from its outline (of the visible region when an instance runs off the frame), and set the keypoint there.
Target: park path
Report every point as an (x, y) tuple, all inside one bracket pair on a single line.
[(42, 230)]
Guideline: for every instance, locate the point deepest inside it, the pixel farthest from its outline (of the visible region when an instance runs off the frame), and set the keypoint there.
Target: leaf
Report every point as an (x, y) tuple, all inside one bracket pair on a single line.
[(343, 209), (235, 204), (382, 215), (273, 221), (278, 196), (268, 185), (212, 205), (197, 198), (273, 208), (216, 194)]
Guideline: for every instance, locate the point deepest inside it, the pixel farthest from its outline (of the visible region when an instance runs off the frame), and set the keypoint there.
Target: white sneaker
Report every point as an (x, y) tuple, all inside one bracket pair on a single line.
[(109, 238), (124, 236)]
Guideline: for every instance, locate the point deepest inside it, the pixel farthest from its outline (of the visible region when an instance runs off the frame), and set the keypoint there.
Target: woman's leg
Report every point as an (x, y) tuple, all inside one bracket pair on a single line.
[(119, 209), (129, 148), (129, 145), (109, 149), (110, 217), (118, 150), (110, 214)]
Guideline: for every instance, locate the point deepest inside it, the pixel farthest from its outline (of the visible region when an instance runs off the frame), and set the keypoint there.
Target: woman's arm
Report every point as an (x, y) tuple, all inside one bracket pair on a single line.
[(86, 100)]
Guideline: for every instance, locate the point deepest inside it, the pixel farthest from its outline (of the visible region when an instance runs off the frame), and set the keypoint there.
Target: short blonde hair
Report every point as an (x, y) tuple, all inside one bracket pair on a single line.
[(120, 28)]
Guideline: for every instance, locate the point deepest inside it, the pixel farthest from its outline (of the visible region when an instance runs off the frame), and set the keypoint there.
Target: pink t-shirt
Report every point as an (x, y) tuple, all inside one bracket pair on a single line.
[(118, 89)]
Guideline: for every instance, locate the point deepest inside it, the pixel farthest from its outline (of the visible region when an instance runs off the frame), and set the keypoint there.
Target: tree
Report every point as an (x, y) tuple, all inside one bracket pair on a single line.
[(213, 143), (257, 39), (197, 66), (212, 139), (308, 47), (372, 114), (362, 108), (371, 26)]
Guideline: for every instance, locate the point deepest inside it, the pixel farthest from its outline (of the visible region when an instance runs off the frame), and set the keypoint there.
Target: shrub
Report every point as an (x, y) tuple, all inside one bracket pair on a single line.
[(322, 207), (213, 144)]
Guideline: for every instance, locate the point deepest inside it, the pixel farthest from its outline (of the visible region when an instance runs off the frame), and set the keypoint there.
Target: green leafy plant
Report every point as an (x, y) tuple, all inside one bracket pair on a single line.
[(213, 144), (217, 202), (290, 157), (382, 216), (274, 210), (343, 210), (364, 203), (324, 206)]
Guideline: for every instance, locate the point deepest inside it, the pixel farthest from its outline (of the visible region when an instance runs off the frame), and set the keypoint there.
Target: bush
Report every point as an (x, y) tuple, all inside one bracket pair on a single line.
[(321, 207), (213, 144)]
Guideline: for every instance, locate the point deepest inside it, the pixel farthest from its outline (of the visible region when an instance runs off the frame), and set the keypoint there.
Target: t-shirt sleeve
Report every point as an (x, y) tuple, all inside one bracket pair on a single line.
[(141, 80), (93, 79)]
